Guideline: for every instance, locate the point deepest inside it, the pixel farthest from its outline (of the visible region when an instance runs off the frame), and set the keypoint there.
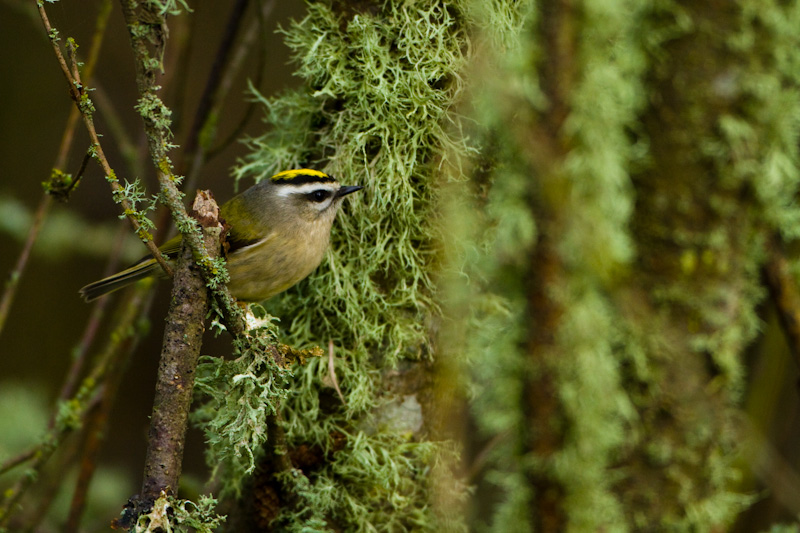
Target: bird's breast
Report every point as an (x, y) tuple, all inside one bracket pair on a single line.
[(279, 261)]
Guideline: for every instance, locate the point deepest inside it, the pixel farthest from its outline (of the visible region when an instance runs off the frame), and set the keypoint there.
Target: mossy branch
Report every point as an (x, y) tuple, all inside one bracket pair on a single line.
[(146, 31)]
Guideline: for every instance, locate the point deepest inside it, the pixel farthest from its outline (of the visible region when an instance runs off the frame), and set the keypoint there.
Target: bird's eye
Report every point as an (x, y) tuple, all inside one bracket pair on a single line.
[(320, 195)]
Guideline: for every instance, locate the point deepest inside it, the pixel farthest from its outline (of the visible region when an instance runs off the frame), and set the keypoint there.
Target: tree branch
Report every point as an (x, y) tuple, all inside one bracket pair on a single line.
[(145, 27), (81, 97), (176, 372)]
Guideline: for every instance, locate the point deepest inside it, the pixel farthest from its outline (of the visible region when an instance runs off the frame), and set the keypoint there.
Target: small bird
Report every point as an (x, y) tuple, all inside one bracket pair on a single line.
[(279, 231)]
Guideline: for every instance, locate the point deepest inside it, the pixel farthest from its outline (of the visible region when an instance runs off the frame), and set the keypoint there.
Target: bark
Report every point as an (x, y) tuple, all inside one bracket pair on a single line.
[(176, 372)]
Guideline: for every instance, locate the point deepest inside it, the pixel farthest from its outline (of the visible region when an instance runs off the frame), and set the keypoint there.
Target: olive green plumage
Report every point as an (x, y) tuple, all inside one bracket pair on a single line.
[(279, 232)]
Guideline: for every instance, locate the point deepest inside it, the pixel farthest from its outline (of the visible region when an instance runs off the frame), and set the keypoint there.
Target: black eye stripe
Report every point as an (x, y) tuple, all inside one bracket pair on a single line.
[(320, 195)]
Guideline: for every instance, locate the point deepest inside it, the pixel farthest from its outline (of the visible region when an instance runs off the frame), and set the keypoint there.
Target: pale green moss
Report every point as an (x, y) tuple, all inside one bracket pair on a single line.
[(180, 516), (237, 397), (374, 113)]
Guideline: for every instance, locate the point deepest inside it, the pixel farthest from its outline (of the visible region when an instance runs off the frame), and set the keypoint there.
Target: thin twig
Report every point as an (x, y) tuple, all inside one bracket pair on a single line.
[(22, 261), (84, 163), (51, 482), (72, 50), (94, 437), (13, 462), (80, 96)]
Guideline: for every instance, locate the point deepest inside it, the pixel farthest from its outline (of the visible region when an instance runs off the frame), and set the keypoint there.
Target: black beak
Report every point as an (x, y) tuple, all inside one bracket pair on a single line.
[(347, 189)]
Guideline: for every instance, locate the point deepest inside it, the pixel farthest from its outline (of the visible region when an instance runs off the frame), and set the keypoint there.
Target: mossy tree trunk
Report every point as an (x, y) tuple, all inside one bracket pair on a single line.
[(566, 214), (694, 288), (641, 158)]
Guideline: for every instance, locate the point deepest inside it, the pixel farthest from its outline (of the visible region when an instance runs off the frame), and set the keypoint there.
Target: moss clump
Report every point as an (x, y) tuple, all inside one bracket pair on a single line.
[(180, 516), (374, 113), (238, 397)]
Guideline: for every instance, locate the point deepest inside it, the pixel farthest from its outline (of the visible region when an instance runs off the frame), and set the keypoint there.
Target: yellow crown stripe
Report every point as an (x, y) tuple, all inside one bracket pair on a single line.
[(291, 174)]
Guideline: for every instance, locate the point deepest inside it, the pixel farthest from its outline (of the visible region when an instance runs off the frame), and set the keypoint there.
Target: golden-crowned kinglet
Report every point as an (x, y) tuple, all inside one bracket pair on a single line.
[(279, 231)]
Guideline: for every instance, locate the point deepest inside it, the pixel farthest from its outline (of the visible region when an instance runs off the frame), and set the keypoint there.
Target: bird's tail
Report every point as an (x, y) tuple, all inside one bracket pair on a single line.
[(141, 270)]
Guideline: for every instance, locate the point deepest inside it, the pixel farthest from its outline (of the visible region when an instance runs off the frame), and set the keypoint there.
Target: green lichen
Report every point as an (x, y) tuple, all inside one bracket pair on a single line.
[(373, 116), (152, 109), (171, 515), (374, 113), (70, 415), (60, 185), (238, 396), (135, 194), (169, 7), (762, 141)]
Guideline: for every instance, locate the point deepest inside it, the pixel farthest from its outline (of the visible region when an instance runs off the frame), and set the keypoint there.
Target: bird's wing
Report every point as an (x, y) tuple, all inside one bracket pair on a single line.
[(245, 231)]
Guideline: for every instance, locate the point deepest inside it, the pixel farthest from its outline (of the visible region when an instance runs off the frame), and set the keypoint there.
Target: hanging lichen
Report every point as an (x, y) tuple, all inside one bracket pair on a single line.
[(374, 112)]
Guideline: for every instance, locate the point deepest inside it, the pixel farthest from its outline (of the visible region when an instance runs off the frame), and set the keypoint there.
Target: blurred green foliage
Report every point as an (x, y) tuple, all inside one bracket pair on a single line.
[(57, 239)]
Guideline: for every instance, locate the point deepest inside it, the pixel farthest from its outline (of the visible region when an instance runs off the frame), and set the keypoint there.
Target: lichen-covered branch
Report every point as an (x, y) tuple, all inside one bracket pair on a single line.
[(178, 363), (146, 29)]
